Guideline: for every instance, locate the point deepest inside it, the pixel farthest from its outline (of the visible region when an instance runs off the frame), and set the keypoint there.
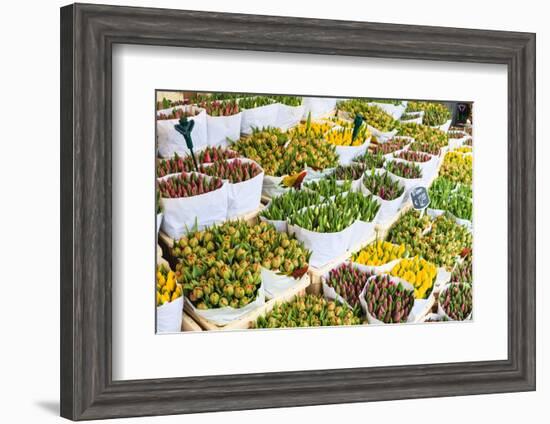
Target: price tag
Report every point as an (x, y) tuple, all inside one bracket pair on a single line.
[(420, 198)]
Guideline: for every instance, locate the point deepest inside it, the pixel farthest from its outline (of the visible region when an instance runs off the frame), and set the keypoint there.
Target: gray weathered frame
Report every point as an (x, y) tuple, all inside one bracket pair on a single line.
[(88, 33)]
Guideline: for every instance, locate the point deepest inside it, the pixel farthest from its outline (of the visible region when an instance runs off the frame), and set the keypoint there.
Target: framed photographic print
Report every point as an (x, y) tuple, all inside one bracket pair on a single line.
[(248, 194)]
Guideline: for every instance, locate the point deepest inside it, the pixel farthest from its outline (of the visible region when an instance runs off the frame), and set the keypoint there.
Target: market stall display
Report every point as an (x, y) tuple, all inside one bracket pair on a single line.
[(299, 219)]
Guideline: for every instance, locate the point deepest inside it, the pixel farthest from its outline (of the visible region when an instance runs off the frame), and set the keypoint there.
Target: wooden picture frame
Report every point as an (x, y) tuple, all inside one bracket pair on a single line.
[(88, 33)]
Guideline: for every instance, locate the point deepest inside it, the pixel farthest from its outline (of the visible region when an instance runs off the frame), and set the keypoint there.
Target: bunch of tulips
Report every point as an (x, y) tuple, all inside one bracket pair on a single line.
[(404, 169), (395, 144), (424, 133), (236, 171), (353, 171), (187, 185), (441, 245), (221, 265), (409, 226), (328, 187), (456, 301), (382, 185), (253, 102), (418, 272), (348, 282), (380, 253), (412, 156), (343, 137), (290, 202), (178, 113), (288, 100), (457, 167), (434, 113), (373, 115), (309, 311), (462, 273), (387, 300), (220, 108), (185, 163), (371, 160)]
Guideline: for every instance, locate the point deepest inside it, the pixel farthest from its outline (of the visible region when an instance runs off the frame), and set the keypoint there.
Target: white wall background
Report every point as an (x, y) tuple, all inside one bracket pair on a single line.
[(29, 155)]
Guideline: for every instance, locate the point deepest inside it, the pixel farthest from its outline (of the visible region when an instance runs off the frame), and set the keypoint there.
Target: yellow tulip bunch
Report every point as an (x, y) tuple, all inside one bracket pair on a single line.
[(167, 288), (379, 253), (316, 130), (457, 167), (345, 123), (342, 137), (463, 149), (417, 271)]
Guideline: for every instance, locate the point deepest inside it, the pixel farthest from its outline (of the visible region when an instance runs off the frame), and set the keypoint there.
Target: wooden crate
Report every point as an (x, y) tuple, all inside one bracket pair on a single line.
[(246, 321), (162, 261), (428, 307), (188, 324), (159, 253), (315, 274)]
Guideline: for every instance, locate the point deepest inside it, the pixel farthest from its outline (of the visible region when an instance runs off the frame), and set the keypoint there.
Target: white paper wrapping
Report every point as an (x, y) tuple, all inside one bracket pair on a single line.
[(288, 116), (272, 186), (170, 141), (325, 247), (428, 168), (455, 143), (417, 118), (259, 117), (363, 231), (169, 316), (431, 317), (159, 221), (379, 269), (204, 210), (445, 127), (394, 110), (313, 174), (227, 314), (278, 224), (355, 184), (443, 277), (275, 284), (408, 183), (220, 128), (346, 154), (319, 107), (382, 136), (245, 196)]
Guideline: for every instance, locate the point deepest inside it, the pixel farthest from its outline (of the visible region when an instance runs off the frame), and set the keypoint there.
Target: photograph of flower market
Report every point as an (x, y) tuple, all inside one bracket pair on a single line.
[(280, 211)]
